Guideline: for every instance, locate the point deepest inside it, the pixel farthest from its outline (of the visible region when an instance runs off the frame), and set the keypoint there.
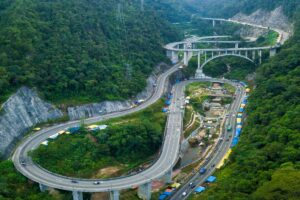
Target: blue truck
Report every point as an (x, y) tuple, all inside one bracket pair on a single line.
[(202, 170)]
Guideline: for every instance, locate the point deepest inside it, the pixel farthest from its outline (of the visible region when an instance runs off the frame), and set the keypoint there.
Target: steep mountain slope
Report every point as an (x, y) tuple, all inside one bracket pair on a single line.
[(266, 162), (84, 50), (226, 8)]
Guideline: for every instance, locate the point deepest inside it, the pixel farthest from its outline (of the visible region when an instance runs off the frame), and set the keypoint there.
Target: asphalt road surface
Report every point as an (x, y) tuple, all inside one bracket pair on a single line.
[(167, 159), (218, 153), (165, 162)]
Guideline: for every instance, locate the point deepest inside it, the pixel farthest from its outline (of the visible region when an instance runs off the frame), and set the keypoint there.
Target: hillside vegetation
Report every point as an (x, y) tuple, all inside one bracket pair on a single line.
[(14, 186), (84, 50), (125, 144), (226, 8), (266, 162)]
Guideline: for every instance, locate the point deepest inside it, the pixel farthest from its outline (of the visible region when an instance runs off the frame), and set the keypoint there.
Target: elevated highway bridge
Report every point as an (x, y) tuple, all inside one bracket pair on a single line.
[(171, 144), (205, 55)]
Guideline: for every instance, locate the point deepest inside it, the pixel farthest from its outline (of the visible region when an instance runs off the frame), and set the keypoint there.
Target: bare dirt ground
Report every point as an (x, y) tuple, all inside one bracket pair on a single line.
[(100, 196), (108, 171)]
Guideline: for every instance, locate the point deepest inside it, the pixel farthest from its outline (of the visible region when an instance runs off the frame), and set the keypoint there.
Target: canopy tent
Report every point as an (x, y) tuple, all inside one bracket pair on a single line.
[(200, 189), (211, 179), (234, 141), (162, 197), (238, 132)]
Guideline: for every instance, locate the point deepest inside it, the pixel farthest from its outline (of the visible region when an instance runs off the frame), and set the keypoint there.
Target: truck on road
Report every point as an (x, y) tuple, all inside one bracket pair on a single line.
[(202, 170)]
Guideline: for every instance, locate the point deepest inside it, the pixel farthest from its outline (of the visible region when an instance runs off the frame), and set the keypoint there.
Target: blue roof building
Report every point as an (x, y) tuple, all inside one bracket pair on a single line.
[(211, 179), (200, 189)]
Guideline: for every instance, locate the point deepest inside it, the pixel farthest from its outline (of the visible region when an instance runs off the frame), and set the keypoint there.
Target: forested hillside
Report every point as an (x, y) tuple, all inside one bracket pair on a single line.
[(266, 162), (87, 50), (228, 8)]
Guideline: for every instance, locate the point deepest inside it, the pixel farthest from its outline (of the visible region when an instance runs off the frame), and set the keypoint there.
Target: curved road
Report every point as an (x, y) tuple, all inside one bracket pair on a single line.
[(165, 162), (283, 35)]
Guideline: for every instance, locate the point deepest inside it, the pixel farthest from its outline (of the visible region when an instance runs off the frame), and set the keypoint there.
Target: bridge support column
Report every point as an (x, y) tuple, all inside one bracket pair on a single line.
[(174, 57), (214, 23), (77, 195), (260, 56), (236, 45), (144, 191), (199, 59), (114, 195), (253, 55), (168, 177), (272, 52), (205, 55), (185, 58), (169, 53), (43, 188)]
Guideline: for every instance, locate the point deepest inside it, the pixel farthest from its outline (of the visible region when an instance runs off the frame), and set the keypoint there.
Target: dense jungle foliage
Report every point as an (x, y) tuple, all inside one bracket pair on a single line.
[(14, 186), (266, 163), (84, 50)]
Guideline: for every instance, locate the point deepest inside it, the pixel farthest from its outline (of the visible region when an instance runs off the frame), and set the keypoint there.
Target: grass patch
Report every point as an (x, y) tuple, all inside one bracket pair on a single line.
[(229, 88), (188, 169), (269, 38), (190, 89), (188, 131), (188, 115)]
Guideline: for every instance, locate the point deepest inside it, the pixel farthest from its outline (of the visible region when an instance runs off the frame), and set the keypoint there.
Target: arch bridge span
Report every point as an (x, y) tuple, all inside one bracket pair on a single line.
[(223, 55), (189, 49)]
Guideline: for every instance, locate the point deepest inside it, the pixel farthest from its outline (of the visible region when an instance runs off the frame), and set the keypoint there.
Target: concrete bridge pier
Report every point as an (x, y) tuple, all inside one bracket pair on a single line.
[(236, 45), (185, 58), (169, 54), (174, 57), (253, 55), (199, 59), (144, 191), (77, 195), (168, 177), (272, 52), (114, 195), (43, 188), (214, 23), (260, 56)]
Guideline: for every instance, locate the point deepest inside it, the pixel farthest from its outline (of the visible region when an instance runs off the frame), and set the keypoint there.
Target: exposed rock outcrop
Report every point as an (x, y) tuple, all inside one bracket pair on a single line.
[(94, 109), (250, 32), (274, 19), (21, 111)]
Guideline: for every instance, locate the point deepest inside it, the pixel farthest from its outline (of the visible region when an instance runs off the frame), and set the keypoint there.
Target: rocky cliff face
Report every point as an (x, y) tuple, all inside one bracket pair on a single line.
[(24, 109), (250, 32), (21, 111), (94, 109), (275, 19)]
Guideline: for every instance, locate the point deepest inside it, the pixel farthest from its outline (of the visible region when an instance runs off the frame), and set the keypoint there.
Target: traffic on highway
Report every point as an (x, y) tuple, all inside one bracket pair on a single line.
[(222, 147)]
